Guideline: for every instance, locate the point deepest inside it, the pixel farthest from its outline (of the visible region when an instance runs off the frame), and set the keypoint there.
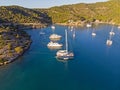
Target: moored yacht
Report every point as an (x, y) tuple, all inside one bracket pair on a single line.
[(55, 36), (53, 27), (65, 54), (93, 34), (54, 44), (88, 25), (74, 33), (112, 33), (109, 42)]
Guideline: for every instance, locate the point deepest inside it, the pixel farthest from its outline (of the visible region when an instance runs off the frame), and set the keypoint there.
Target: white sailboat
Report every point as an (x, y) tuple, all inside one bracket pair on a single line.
[(74, 34), (88, 25), (71, 28), (111, 32), (53, 27), (93, 34), (65, 54), (109, 41)]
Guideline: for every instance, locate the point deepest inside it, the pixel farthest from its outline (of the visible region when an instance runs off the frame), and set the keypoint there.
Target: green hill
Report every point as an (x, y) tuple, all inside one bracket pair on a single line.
[(103, 11), (17, 14)]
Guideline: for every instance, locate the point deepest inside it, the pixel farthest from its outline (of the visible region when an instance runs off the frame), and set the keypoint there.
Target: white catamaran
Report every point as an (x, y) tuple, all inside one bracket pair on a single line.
[(55, 36), (54, 44), (65, 54)]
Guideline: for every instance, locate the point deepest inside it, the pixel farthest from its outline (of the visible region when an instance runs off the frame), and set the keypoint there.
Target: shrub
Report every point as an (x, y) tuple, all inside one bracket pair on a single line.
[(19, 49)]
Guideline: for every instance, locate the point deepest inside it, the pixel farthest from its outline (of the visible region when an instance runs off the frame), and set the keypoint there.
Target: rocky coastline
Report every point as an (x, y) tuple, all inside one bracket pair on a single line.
[(83, 23), (13, 43)]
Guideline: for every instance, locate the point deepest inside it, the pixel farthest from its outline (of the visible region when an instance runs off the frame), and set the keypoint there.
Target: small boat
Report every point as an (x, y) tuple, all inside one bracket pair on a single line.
[(74, 34), (53, 27), (109, 42), (88, 25), (54, 44), (112, 33), (93, 34), (71, 28), (65, 54), (55, 36)]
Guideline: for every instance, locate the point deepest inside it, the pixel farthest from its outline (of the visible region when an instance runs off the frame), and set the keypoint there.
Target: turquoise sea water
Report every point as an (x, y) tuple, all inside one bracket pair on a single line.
[(94, 67)]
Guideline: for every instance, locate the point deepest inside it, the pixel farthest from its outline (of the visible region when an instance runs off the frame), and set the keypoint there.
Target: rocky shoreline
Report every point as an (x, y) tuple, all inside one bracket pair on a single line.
[(83, 23), (14, 41), (13, 44), (11, 59)]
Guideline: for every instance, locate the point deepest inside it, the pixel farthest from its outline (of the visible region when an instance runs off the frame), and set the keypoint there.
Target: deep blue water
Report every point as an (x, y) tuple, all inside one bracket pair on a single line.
[(95, 66)]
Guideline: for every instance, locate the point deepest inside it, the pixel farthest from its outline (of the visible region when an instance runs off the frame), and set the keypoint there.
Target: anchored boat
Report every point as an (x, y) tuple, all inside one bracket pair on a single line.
[(54, 44), (65, 54), (55, 36)]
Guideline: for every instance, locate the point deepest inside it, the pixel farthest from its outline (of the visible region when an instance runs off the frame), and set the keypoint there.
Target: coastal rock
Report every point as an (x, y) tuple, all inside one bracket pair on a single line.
[(13, 44)]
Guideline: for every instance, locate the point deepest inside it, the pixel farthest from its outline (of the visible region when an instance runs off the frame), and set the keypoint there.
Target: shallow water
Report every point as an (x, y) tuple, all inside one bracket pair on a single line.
[(95, 66)]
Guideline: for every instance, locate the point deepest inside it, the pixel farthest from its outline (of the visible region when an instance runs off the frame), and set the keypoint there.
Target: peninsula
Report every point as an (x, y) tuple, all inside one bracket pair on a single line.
[(14, 41)]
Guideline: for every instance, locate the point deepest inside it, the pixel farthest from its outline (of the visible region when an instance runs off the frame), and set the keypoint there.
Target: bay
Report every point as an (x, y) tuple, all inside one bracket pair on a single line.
[(95, 66)]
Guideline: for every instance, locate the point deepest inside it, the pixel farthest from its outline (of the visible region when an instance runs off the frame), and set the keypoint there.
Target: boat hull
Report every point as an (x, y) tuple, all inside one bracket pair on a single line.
[(64, 55)]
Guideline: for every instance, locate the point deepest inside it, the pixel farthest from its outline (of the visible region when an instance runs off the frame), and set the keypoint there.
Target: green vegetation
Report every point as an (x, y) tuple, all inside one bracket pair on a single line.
[(19, 49), (14, 41), (17, 14), (103, 11)]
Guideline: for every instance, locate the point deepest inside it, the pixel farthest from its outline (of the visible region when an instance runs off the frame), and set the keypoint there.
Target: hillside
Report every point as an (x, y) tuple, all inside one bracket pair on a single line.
[(103, 11), (14, 41), (17, 14)]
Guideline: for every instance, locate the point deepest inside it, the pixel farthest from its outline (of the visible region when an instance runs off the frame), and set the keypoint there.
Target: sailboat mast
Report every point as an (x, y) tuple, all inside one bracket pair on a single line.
[(110, 37), (66, 41), (112, 29)]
